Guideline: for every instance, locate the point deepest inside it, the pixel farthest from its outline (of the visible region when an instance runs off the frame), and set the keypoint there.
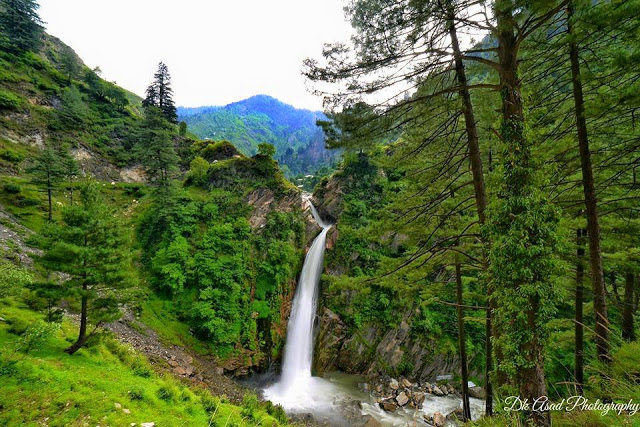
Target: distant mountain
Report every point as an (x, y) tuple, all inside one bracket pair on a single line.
[(299, 142)]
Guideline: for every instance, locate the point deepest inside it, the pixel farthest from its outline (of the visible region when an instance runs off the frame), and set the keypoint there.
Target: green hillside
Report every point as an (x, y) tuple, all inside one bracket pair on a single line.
[(299, 142)]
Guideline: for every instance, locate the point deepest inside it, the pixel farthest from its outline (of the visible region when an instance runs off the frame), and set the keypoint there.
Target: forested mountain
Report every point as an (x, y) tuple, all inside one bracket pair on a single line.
[(299, 142)]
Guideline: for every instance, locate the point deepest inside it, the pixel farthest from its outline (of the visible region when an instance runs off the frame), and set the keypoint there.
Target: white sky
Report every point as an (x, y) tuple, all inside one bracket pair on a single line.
[(218, 51)]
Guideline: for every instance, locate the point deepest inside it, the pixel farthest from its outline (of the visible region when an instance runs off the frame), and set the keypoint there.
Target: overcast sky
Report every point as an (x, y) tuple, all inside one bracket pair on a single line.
[(218, 51)]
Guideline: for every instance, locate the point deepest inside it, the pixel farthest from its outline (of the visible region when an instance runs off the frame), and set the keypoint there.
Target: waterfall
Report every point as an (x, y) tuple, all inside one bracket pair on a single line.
[(298, 350), (327, 398)]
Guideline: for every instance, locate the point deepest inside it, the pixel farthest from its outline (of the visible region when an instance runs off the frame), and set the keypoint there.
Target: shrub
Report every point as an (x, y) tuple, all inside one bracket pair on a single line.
[(8, 100), (209, 403), (249, 405), (11, 156), (137, 393), (12, 188), (141, 367), (277, 412), (167, 392)]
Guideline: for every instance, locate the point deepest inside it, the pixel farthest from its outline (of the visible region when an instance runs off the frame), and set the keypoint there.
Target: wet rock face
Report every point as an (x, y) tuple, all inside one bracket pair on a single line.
[(362, 352), (329, 200), (328, 341)]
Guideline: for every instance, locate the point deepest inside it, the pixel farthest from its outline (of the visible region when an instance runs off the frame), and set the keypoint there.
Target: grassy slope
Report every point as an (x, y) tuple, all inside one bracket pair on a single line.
[(96, 385)]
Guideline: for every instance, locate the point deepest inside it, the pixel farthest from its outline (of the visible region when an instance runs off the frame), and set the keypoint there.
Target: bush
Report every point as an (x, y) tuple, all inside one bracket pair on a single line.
[(12, 188), (209, 403), (141, 367), (167, 393), (11, 156), (137, 393), (8, 100), (277, 412), (249, 405)]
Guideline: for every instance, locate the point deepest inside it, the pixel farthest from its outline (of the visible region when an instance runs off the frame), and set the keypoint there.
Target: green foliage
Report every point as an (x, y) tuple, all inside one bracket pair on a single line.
[(12, 278), (21, 25), (12, 188), (266, 150), (9, 100), (155, 147), (198, 170), (90, 246), (160, 95)]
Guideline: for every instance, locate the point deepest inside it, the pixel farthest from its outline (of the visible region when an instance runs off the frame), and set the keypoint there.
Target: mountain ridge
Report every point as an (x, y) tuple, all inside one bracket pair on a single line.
[(299, 142)]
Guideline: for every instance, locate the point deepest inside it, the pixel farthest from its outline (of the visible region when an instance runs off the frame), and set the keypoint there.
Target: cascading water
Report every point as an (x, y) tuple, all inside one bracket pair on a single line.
[(299, 392), (298, 350)]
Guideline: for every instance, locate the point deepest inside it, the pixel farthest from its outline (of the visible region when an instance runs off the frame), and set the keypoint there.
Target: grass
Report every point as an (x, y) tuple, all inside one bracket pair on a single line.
[(106, 384), (157, 313)]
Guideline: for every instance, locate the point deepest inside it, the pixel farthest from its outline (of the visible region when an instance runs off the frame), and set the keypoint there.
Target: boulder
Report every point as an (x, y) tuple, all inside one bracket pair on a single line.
[(418, 398), (406, 383), (436, 390), (371, 422), (402, 399), (389, 405), (439, 420), (393, 384), (477, 392)]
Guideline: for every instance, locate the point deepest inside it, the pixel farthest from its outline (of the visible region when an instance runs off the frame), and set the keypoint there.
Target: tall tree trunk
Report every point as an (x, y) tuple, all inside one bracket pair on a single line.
[(590, 201), (49, 190), (466, 410), (479, 188), (82, 335), (579, 366), (522, 336), (636, 300), (628, 332)]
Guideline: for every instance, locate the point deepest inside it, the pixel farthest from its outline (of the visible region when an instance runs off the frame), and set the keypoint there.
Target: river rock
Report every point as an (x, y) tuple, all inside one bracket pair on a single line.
[(451, 389), (402, 399), (406, 383), (439, 420), (393, 384), (371, 422), (418, 398), (477, 392), (389, 405), (436, 390)]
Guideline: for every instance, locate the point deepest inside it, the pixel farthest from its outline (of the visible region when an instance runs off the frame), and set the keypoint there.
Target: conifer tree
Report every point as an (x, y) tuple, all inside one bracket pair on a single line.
[(47, 171), (155, 147), (89, 246), (159, 94), (21, 25)]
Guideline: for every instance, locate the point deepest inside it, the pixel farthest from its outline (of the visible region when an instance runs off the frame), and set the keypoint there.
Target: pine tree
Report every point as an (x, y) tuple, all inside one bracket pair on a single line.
[(21, 25), (155, 147), (70, 170), (89, 246), (47, 171), (69, 63), (159, 94)]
